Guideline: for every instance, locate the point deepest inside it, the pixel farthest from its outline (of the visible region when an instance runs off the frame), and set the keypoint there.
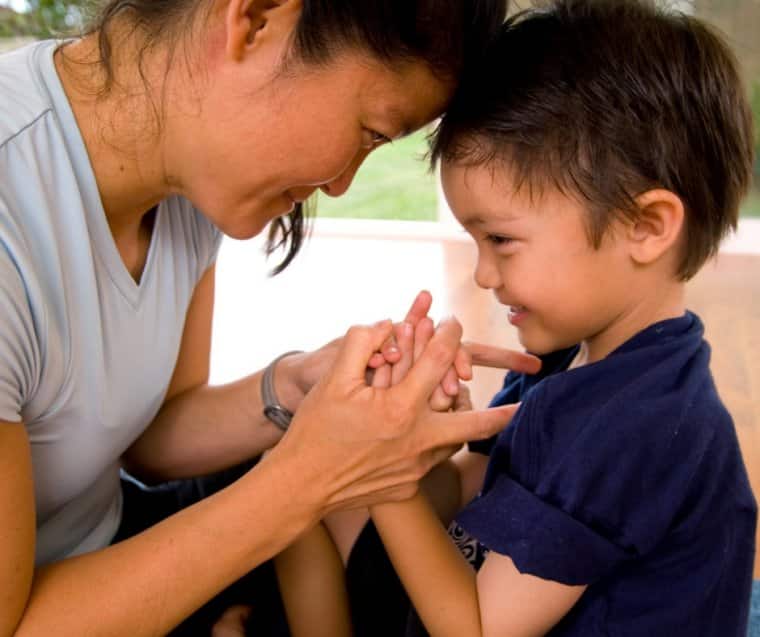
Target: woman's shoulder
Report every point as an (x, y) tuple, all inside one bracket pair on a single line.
[(23, 99)]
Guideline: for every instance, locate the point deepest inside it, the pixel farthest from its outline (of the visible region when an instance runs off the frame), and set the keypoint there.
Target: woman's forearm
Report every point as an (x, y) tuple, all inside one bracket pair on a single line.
[(439, 582), (149, 583), (203, 430), (208, 428)]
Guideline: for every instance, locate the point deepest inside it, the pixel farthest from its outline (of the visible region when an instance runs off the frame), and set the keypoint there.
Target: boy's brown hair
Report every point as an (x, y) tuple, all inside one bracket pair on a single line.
[(606, 100)]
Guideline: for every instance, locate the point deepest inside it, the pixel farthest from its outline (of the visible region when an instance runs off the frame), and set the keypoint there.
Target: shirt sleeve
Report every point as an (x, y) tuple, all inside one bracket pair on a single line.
[(571, 504), (19, 354)]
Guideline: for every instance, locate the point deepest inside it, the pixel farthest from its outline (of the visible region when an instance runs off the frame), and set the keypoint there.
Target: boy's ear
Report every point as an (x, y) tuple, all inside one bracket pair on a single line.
[(657, 227), (250, 23)]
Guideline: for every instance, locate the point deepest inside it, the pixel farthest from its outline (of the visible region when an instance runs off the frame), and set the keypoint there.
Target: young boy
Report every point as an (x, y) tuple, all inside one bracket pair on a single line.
[(597, 157)]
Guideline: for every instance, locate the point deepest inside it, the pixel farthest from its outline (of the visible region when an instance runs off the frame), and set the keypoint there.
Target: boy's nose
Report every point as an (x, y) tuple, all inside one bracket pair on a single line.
[(486, 274)]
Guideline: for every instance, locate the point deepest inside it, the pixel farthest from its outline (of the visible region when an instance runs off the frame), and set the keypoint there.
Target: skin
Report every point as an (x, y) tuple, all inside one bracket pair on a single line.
[(376, 442)]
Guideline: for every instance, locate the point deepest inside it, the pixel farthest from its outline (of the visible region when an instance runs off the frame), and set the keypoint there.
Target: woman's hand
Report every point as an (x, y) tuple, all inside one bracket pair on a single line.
[(355, 445)]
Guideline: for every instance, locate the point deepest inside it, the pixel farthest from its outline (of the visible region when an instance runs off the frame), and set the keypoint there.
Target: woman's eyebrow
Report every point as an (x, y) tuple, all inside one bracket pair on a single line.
[(396, 117)]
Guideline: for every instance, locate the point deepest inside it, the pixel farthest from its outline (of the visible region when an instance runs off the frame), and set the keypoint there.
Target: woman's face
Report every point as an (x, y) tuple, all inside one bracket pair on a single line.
[(263, 141)]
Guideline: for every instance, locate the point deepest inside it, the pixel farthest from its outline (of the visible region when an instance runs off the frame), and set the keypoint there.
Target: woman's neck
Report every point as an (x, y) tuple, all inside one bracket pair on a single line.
[(120, 132)]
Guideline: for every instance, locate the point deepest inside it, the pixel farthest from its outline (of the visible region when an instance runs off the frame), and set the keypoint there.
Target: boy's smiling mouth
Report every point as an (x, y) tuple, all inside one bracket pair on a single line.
[(516, 314)]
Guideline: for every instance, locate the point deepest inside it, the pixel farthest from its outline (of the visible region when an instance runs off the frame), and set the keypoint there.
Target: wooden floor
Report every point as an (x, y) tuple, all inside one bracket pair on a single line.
[(339, 281)]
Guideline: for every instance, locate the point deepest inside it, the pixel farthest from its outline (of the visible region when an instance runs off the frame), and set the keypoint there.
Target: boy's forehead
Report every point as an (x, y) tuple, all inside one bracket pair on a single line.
[(483, 192)]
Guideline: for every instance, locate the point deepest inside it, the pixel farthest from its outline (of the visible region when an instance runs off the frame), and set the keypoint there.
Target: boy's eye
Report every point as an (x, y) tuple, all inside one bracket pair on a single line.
[(371, 139), (498, 240)]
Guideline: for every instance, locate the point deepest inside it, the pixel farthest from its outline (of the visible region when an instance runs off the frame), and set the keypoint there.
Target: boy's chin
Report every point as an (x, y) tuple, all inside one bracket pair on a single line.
[(542, 346)]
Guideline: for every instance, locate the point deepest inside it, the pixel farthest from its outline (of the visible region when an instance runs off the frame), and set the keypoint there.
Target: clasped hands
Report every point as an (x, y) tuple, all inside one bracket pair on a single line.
[(369, 438), (409, 338)]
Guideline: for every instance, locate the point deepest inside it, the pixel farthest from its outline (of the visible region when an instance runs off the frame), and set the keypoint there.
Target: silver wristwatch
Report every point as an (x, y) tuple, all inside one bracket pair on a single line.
[(273, 410)]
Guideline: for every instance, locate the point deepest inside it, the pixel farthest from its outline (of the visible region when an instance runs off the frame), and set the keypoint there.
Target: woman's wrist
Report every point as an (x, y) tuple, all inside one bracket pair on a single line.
[(289, 381)]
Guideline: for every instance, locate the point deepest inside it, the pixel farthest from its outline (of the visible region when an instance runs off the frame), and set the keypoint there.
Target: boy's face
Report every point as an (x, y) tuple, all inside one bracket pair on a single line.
[(534, 253)]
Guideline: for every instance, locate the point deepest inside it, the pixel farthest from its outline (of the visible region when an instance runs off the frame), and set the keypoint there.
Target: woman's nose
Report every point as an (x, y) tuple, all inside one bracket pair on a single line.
[(338, 186)]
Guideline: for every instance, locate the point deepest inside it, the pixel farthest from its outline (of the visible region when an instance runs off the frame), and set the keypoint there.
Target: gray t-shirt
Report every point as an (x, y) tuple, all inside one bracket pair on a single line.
[(86, 353)]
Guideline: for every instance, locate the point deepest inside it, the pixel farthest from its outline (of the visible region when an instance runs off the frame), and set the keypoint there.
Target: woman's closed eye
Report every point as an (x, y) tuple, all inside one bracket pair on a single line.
[(371, 139)]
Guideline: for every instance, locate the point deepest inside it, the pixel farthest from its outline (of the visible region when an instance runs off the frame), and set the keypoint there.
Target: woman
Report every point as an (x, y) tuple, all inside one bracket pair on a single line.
[(112, 145)]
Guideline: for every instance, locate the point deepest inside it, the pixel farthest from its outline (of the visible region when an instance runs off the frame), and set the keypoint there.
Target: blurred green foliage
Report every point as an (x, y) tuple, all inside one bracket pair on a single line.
[(43, 19)]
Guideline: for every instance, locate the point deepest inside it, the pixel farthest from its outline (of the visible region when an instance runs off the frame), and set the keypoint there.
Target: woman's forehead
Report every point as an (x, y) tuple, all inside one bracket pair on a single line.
[(408, 92)]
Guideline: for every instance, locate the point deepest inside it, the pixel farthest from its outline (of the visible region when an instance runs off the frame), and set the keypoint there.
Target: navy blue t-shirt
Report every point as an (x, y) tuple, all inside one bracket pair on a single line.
[(625, 475)]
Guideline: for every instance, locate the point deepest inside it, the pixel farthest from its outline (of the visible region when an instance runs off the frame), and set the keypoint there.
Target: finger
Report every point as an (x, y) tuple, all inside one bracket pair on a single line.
[(420, 308), (440, 400), (405, 341), (463, 364), (390, 349), (358, 346), (458, 427), (382, 377), (423, 332), (376, 360), (490, 356), (463, 401), (433, 363), (450, 382)]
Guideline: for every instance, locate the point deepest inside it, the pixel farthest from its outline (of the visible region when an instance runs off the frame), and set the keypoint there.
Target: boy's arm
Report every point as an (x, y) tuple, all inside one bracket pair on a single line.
[(450, 598), (312, 583), (450, 485)]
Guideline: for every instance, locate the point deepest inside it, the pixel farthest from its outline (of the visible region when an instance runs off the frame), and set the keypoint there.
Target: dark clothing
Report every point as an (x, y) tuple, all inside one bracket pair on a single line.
[(625, 475)]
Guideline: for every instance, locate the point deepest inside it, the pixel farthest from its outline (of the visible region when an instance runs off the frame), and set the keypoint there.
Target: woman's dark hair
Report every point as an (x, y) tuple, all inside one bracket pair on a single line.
[(605, 100), (444, 34)]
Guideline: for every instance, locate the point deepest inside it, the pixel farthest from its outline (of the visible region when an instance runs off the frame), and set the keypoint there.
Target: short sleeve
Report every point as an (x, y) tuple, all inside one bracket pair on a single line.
[(570, 501), (19, 353)]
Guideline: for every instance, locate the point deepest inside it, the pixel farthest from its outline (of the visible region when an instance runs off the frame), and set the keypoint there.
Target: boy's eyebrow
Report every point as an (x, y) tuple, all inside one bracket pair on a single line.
[(472, 219)]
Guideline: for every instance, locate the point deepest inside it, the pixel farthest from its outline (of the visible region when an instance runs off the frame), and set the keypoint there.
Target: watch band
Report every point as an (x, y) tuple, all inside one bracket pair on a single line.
[(273, 410)]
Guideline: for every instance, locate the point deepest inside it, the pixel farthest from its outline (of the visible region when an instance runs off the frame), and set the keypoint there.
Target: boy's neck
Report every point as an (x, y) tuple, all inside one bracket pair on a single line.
[(665, 302)]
